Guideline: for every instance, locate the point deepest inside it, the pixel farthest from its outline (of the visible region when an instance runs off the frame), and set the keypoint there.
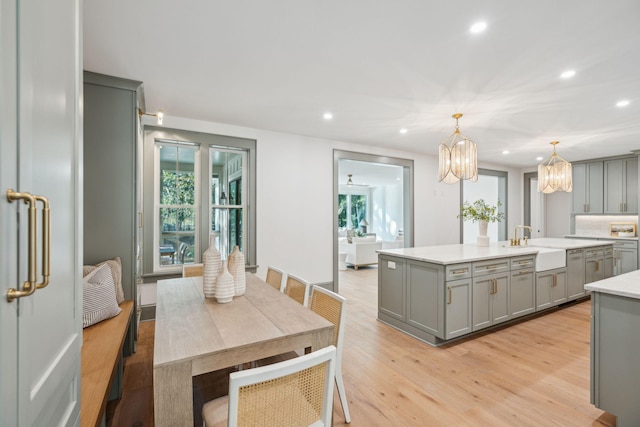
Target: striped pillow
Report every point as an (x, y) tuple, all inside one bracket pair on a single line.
[(99, 296)]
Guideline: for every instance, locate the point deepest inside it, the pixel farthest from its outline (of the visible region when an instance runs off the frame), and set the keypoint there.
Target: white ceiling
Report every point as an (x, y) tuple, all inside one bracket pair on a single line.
[(386, 65)]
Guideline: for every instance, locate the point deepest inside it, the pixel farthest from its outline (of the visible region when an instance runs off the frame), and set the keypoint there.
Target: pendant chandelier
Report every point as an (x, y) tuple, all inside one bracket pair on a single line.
[(554, 174), (458, 157)]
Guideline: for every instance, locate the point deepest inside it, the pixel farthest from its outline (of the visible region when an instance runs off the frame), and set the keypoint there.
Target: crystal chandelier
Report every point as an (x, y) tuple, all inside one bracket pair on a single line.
[(458, 157), (554, 174)]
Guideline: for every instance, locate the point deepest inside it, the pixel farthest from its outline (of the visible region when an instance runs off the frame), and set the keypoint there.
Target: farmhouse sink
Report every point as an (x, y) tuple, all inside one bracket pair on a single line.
[(549, 259)]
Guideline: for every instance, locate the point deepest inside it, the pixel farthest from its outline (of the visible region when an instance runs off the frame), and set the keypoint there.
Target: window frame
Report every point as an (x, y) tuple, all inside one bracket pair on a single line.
[(149, 223)]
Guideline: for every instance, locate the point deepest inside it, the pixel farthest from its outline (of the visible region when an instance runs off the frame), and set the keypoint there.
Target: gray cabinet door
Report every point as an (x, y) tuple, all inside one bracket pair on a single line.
[(593, 269), (627, 260), (575, 274), (391, 294), (40, 140), (631, 186), (482, 291), (500, 311), (425, 296), (458, 309), (522, 293), (579, 193), (551, 288)]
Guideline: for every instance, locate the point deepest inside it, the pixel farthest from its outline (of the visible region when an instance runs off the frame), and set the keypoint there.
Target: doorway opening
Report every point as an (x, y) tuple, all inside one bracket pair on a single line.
[(373, 208)]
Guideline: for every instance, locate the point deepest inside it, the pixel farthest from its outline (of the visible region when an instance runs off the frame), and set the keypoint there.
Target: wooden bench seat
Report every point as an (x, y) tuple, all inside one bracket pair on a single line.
[(101, 352)]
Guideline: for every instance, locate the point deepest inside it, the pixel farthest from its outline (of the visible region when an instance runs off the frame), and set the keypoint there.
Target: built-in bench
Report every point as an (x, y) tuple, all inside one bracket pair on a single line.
[(101, 358)]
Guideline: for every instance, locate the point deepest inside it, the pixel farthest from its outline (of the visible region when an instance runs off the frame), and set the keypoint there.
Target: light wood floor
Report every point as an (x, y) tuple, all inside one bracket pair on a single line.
[(533, 373)]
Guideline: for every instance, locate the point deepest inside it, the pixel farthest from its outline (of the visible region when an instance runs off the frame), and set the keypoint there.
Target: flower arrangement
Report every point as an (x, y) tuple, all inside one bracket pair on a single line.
[(481, 211)]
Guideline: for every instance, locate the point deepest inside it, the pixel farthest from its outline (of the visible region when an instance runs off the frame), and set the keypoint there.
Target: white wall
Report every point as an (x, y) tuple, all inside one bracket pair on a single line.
[(295, 190), (386, 211), (557, 215)]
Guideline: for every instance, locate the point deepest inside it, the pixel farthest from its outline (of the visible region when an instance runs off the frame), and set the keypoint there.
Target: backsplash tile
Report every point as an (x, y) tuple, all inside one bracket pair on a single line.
[(598, 225)]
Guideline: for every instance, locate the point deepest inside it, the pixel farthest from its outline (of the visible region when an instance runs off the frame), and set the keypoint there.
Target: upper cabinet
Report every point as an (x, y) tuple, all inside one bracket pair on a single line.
[(621, 186), (587, 194)]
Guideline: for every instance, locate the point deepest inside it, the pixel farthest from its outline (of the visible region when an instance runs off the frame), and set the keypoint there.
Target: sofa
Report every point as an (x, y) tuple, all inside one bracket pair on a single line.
[(362, 251)]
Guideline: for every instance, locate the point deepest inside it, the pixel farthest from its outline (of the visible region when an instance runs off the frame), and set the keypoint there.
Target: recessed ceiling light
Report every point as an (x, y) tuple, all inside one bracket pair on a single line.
[(568, 74), (478, 27), (505, 152), (539, 158), (623, 103), (403, 130), (328, 116)]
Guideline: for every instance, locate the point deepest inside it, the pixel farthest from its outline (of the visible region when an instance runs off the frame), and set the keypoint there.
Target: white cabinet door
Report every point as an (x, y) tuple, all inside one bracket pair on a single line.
[(41, 128)]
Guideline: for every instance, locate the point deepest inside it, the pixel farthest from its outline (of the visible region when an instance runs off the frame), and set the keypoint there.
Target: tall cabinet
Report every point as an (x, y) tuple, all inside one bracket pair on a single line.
[(40, 142), (111, 130)]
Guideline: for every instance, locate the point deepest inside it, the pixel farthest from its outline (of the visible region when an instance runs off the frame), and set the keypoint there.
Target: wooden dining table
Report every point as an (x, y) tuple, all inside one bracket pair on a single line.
[(195, 335)]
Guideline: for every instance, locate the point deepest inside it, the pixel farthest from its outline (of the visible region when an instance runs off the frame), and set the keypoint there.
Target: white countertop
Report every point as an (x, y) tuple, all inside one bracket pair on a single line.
[(590, 236), (454, 254), (626, 285)]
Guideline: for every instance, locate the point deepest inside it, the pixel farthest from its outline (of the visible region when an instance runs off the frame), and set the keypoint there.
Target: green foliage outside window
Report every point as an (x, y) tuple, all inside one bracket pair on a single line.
[(358, 209)]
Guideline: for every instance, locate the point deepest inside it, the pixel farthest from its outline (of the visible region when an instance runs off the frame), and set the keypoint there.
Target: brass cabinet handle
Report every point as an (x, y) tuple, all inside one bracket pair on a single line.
[(555, 280), (449, 287), (464, 270), (597, 265), (46, 241), (519, 273), (28, 287)]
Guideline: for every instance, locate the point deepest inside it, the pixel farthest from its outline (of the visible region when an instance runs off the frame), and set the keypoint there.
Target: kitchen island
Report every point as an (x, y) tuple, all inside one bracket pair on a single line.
[(439, 293), (615, 346)]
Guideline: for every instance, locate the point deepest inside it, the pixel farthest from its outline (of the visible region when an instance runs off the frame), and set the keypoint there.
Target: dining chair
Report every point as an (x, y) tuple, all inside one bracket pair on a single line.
[(298, 289), (192, 270), (275, 277), (333, 307), (294, 392)]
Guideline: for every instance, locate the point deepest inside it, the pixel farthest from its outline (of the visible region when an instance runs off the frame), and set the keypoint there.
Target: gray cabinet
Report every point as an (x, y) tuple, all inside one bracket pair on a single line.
[(424, 297), (609, 262), (575, 274), (110, 145), (615, 378), (490, 292), (391, 287), (458, 310), (625, 256), (522, 292), (621, 186), (588, 188), (594, 267), (551, 288)]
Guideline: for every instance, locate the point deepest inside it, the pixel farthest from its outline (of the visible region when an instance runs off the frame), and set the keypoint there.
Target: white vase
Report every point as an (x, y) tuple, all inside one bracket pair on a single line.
[(225, 289), (483, 239), (237, 270), (211, 268)]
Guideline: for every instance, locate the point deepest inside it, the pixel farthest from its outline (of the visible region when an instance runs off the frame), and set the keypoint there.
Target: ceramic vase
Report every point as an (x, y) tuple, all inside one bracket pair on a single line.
[(483, 239), (211, 261), (236, 268), (225, 289)]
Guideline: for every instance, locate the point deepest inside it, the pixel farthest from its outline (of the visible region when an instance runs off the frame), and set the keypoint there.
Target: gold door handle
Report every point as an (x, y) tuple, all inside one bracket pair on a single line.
[(555, 280), (597, 265), (449, 287), (28, 287), (46, 241)]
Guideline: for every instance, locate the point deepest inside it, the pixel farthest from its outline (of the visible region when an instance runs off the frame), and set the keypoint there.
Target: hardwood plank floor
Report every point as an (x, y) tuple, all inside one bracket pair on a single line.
[(533, 373)]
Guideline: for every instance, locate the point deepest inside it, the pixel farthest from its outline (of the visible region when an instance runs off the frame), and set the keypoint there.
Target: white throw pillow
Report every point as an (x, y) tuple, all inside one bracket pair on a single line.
[(98, 296), (116, 271)]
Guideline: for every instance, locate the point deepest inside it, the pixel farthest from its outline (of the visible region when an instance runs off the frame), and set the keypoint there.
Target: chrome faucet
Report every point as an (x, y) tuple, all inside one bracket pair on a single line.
[(515, 241)]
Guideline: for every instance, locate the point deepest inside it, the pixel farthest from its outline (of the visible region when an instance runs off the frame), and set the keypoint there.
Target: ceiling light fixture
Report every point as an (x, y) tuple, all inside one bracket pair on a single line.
[(349, 181), (458, 158), (568, 74), (403, 131), (478, 27), (622, 103), (327, 116), (159, 115), (505, 152), (554, 174)]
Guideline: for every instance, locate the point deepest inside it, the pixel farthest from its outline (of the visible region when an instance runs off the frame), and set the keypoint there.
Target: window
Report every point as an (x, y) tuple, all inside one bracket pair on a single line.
[(356, 205), (491, 186), (196, 185)]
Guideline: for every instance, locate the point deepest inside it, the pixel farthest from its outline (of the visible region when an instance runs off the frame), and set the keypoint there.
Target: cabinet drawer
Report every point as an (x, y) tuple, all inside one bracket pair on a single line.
[(482, 268), (593, 252), (458, 271), (523, 262), (608, 251), (625, 244)]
